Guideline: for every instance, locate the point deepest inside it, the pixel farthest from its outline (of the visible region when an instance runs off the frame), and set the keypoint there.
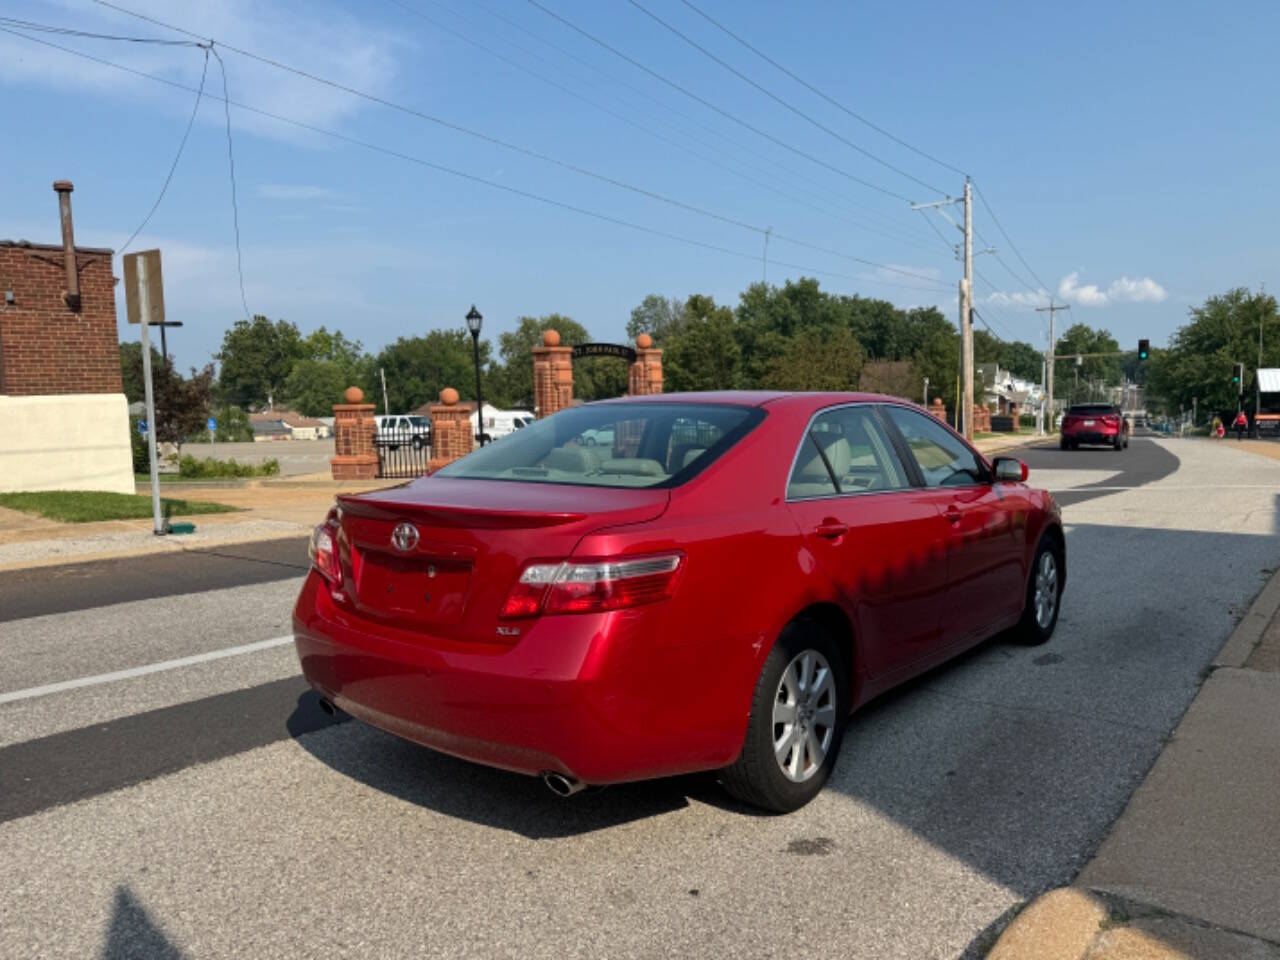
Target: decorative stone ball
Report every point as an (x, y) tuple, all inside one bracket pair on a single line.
[(353, 395), (550, 338), (938, 401), (448, 396), (644, 341)]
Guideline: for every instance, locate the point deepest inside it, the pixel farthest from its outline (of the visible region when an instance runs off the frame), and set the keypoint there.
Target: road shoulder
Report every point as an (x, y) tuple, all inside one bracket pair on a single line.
[(1196, 853)]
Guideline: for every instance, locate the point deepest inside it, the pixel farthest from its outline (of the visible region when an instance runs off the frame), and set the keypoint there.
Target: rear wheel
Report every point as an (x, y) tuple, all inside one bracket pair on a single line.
[(1062, 444), (1044, 594), (796, 723)]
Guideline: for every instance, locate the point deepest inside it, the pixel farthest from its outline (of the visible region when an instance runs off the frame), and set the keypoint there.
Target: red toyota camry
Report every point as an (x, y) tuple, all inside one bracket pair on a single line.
[(715, 589)]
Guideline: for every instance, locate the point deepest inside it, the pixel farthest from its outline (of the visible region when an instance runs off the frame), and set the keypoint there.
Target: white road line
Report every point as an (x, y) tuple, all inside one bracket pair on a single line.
[(163, 665)]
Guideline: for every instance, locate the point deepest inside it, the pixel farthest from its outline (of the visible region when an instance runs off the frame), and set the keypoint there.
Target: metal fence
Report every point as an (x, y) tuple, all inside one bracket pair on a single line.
[(402, 453)]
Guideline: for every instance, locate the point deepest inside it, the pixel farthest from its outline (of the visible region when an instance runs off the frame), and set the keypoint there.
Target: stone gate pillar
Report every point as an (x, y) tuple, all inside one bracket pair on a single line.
[(646, 373), (451, 434), (353, 425), (552, 375), (938, 409)]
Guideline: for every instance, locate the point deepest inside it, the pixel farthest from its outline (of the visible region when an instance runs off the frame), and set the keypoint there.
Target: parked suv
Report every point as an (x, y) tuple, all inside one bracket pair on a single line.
[(1100, 423)]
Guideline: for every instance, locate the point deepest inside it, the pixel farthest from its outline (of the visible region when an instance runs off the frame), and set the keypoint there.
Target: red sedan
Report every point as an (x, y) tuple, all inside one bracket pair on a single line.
[(717, 589)]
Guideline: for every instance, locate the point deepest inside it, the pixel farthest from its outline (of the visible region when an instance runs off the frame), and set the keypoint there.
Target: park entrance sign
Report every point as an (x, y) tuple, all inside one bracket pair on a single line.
[(620, 350)]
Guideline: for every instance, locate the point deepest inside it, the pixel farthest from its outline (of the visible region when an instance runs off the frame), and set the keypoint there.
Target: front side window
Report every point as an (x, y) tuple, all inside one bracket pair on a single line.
[(634, 444), (944, 459), (845, 451)]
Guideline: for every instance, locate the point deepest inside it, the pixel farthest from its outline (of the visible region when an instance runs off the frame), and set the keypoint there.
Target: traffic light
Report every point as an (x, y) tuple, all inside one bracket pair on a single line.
[(1144, 349), (1237, 377)]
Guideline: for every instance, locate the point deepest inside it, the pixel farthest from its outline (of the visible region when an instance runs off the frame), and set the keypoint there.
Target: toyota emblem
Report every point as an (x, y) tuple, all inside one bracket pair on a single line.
[(404, 537)]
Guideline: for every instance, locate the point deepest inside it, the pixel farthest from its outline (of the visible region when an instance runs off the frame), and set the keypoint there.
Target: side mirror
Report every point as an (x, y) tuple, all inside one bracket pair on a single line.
[(1010, 470)]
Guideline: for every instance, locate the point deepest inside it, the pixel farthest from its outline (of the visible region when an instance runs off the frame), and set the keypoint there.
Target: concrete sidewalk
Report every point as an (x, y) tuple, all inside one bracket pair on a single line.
[(1192, 867), (267, 509)]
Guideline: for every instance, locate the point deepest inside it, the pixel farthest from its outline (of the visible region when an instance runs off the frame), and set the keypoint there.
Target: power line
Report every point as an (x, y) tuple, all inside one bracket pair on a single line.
[(777, 99), (231, 166), (178, 156), (808, 86), (709, 105), (739, 145), (1012, 246), (70, 32), (639, 126), (575, 168), (388, 151)]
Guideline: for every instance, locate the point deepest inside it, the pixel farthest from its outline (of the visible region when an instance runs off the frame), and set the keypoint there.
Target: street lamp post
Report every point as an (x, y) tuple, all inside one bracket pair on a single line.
[(926, 391), (474, 319)]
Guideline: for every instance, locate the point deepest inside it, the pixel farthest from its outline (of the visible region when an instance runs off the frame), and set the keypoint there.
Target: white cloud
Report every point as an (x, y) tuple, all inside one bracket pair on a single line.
[(299, 35), (1124, 290), (1016, 298), (295, 191)]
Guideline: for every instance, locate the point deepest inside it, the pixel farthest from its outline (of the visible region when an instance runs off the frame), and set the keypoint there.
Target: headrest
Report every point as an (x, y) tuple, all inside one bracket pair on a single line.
[(568, 460), (633, 467)]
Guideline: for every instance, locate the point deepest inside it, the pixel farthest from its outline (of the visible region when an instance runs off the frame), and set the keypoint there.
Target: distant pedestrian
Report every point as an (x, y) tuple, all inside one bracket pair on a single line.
[(1240, 424), (1217, 428)]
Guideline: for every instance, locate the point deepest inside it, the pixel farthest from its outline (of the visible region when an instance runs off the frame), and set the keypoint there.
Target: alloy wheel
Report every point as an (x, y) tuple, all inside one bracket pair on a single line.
[(804, 716), (1046, 597)]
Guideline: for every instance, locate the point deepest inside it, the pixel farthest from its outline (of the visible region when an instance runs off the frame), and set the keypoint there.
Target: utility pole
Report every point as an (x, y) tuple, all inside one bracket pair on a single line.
[(926, 391), (1051, 309), (386, 407), (764, 257), (1257, 374), (966, 311), (964, 402)]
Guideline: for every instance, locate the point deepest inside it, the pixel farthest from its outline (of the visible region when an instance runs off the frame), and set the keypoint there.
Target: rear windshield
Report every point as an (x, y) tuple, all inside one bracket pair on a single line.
[(1092, 409), (613, 445)]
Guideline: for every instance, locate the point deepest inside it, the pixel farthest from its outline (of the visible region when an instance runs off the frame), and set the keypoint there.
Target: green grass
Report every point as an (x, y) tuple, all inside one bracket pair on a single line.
[(87, 506)]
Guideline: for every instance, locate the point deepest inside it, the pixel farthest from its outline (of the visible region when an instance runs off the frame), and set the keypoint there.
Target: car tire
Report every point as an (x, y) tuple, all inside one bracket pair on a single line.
[(419, 444), (1034, 628), (1062, 444), (758, 776)]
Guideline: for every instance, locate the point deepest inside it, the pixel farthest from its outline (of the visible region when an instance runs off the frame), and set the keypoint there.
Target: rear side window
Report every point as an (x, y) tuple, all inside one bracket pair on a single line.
[(944, 459), (845, 451), (634, 444)]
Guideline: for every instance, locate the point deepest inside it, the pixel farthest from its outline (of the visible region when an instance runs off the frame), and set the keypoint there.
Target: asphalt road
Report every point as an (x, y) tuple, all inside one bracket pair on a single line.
[(210, 809), (295, 456)]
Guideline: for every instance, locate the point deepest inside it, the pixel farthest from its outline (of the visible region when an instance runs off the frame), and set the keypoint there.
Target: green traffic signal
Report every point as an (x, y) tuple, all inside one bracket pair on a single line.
[(1144, 349)]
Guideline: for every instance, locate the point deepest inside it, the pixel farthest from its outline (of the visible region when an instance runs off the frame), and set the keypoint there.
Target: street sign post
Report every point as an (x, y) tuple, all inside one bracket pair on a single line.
[(144, 299), (212, 424)]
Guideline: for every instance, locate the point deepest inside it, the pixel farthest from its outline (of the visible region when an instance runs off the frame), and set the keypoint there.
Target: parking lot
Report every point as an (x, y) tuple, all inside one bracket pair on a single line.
[(185, 796)]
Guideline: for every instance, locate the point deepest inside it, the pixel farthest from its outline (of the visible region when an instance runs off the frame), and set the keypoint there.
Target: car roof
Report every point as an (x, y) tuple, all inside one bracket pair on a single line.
[(759, 398)]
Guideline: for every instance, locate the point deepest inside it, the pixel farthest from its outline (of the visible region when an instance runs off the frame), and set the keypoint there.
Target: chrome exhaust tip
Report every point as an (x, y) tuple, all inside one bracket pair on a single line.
[(562, 786)]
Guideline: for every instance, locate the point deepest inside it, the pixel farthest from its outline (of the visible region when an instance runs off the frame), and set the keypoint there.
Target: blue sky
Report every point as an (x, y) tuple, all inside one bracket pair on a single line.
[(1129, 149)]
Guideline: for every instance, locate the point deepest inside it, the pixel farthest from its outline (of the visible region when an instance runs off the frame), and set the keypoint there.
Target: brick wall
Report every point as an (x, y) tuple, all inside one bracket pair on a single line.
[(45, 348), (451, 431)]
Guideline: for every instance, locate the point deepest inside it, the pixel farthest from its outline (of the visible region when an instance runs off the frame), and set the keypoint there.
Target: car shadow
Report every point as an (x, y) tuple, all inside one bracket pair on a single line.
[(485, 795)]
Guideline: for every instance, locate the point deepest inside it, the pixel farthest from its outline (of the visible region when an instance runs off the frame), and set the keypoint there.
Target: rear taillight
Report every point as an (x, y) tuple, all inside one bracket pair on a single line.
[(324, 554), (593, 586)]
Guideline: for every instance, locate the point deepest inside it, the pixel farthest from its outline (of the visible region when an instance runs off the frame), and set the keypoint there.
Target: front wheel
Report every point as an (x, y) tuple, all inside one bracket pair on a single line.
[(796, 723), (1044, 594)]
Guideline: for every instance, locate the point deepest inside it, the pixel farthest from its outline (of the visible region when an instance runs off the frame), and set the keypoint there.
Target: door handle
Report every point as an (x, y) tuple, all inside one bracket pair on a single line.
[(831, 529), (953, 514)]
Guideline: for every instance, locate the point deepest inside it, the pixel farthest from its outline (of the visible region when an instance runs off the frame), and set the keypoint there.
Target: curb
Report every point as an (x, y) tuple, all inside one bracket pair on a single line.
[(1072, 923), (1248, 632)]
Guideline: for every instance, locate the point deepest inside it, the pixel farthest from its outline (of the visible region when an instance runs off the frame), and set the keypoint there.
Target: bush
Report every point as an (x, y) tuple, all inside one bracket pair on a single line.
[(138, 446), (207, 468)]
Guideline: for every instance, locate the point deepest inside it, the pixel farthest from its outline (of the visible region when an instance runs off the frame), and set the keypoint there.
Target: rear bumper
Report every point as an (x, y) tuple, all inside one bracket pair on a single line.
[(1092, 436), (560, 699)]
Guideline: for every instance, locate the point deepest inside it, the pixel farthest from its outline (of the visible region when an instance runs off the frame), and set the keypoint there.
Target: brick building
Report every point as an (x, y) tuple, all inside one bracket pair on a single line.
[(64, 423)]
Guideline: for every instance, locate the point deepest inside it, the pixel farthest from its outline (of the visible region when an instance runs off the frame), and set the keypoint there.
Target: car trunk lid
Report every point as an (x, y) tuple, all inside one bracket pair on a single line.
[(439, 555)]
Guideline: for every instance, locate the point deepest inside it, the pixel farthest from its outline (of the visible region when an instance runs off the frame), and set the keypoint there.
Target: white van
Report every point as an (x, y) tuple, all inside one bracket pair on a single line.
[(501, 423)]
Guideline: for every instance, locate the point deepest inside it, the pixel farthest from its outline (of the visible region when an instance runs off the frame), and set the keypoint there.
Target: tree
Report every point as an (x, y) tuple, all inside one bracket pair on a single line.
[(1223, 331), (817, 359), (182, 405), (131, 369), (418, 368), (702, 353), (656, 316), (315, 386), (1078, 382), (256, 359)]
